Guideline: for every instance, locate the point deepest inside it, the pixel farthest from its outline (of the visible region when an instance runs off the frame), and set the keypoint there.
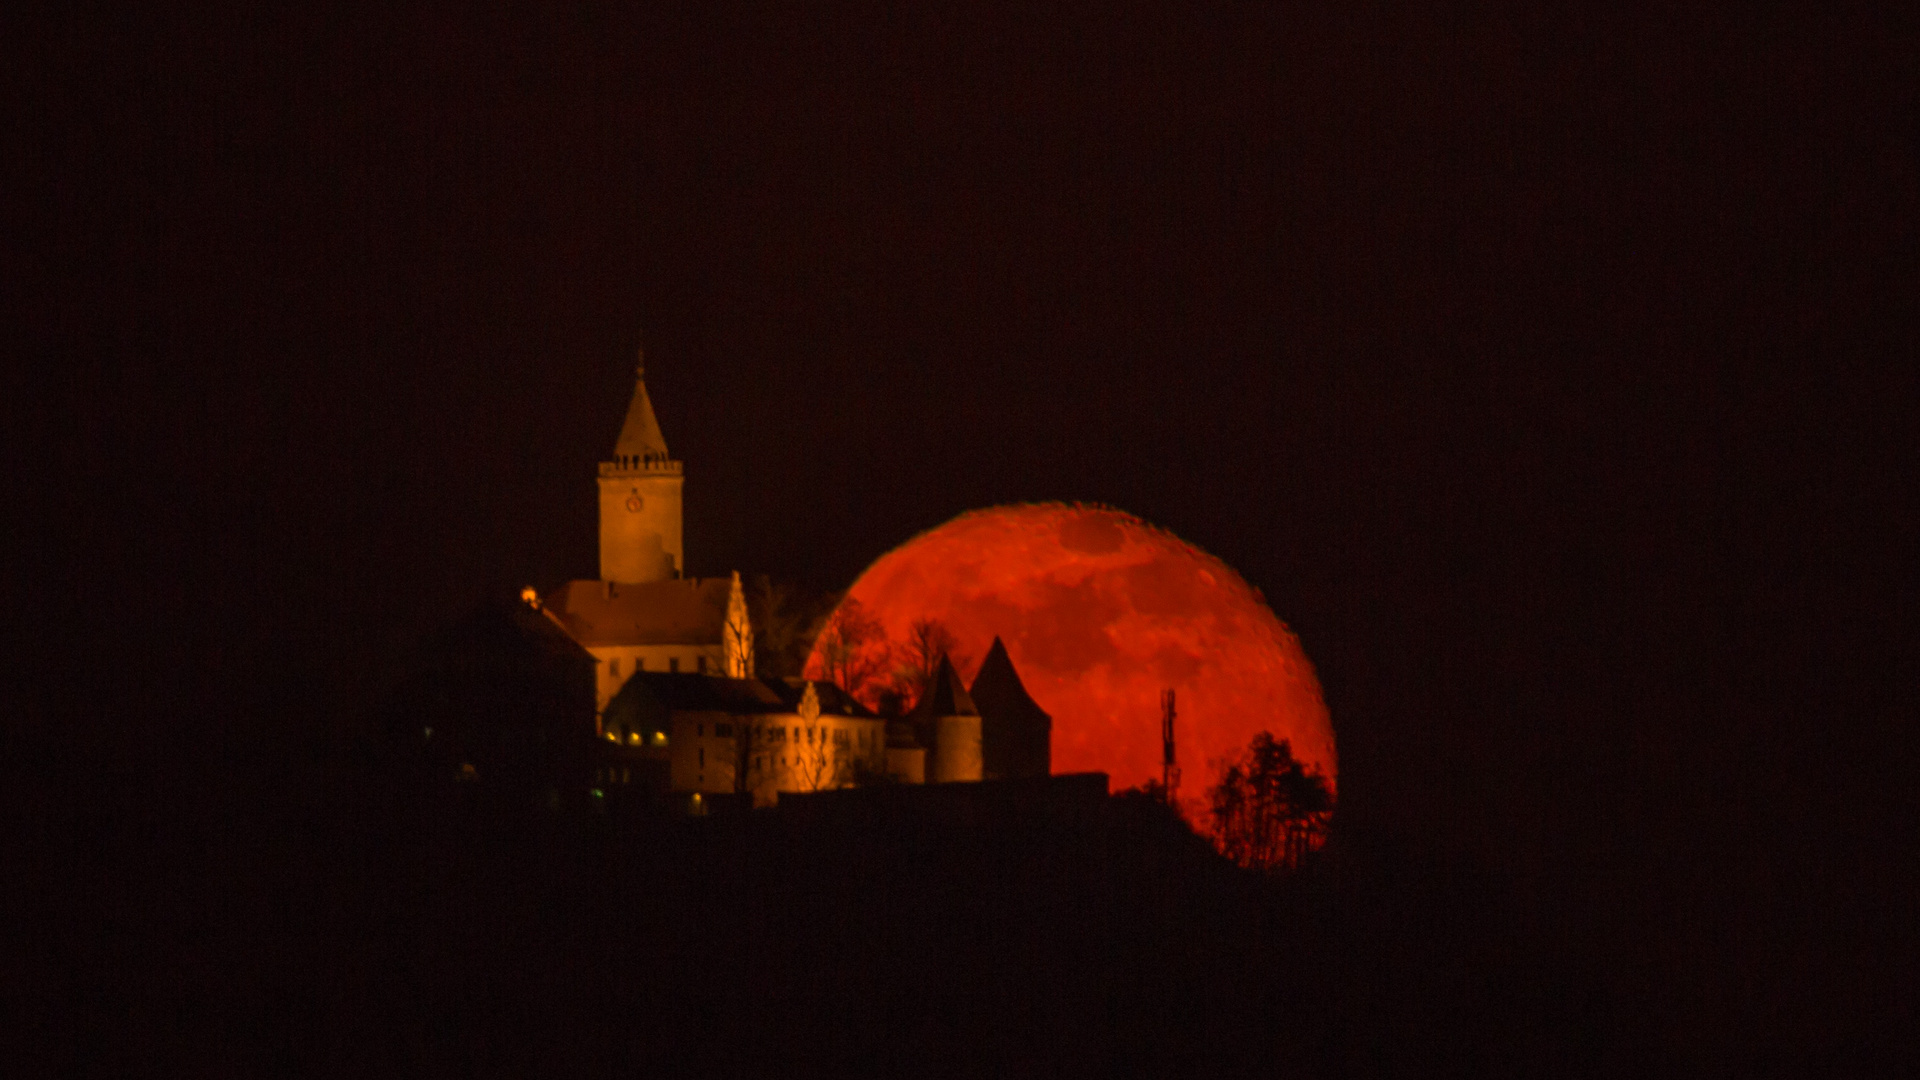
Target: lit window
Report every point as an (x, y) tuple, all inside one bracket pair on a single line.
[(633, 738)]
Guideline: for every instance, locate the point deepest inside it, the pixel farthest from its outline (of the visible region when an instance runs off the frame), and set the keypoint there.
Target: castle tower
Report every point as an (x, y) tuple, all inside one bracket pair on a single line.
[(949, 723), (1016, 733), (640, 499)]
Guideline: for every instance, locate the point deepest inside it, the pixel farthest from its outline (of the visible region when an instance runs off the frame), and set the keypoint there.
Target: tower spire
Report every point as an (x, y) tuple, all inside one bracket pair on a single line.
[(640, 497), (640, 436)]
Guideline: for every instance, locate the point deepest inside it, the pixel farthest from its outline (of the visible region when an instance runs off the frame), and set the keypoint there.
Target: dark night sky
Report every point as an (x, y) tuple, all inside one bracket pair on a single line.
[(1550, 371)]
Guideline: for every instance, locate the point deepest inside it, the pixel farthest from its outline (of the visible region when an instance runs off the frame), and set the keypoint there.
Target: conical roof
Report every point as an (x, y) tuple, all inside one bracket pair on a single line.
[(640, 435), (1016, 734), (945, 697), (998, 686)]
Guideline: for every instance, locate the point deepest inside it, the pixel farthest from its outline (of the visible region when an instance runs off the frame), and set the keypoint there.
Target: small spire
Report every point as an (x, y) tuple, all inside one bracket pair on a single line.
[(640, 435)]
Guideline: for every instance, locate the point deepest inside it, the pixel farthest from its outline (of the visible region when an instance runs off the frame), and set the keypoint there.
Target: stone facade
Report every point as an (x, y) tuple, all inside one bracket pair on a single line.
[(674, 696)]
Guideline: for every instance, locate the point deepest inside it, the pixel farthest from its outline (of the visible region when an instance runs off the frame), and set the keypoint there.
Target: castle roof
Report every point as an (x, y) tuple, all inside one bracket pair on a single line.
[(640, 435), (682, 692), (648, 698), (944, 697), (679, 611), (833, 700), (501, 628), (998, 691)]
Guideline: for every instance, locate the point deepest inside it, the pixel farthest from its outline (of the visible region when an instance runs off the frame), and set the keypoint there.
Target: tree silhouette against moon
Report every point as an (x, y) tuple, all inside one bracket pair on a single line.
[(1101, 611)]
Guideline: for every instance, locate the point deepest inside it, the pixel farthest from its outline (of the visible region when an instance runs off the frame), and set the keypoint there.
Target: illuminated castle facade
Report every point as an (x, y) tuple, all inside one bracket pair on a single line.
[(677, 704)]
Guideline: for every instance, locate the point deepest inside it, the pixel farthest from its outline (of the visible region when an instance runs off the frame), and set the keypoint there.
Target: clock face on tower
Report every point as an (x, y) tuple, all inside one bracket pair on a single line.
[(634, 503)]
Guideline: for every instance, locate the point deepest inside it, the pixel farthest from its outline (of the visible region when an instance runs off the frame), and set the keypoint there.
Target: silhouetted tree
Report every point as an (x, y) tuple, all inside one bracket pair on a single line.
[(853, 650), (1269, 810), (786, 619), (918, 659)]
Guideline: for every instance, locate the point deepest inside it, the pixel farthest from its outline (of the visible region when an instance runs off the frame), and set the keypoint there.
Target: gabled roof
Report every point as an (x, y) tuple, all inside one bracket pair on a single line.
[(640, 435), (833, 700), (680, 611), (997, 689), (501, 628), (945, 697), (680, 692)]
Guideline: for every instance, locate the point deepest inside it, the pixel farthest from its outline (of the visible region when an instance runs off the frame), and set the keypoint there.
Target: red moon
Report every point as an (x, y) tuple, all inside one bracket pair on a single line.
[(1101, 611)]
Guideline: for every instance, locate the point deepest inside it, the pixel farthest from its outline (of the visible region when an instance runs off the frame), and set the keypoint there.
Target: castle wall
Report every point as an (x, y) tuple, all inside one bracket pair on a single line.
[(907, 764), (956, 754), (785, 752)]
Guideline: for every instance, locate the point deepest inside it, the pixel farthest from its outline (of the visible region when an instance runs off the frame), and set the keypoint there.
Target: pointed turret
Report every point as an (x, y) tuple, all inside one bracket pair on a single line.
[(640, 498), (1016, 733), (946, 696), (640, 436), (949, 725), (737, 636)]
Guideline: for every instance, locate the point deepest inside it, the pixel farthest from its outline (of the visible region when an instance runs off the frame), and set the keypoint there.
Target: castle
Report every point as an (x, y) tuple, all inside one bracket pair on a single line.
[(679, 710)]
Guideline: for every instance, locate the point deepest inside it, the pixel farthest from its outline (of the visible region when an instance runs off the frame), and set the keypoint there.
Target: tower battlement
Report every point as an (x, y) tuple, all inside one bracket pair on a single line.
[(640, 465), (640, 499)]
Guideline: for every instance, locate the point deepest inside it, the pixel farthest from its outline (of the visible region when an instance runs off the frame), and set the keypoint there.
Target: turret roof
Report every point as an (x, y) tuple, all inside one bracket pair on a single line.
[(999, 689), (946, 696), (640, 435)]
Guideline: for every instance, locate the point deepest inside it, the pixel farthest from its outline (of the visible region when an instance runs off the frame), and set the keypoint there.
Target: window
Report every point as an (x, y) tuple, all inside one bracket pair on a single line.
[(840, 737), (703, 665), (639, 663), (725, 731), (673, 663), (613, 667), (703, 757)]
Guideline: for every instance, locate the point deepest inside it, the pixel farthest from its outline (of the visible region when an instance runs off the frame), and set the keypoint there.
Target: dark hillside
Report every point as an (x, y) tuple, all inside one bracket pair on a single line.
[(325, 920)]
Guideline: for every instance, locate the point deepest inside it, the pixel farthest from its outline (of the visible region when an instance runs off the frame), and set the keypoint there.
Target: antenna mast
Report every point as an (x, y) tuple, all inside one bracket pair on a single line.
[(1169, 766)]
